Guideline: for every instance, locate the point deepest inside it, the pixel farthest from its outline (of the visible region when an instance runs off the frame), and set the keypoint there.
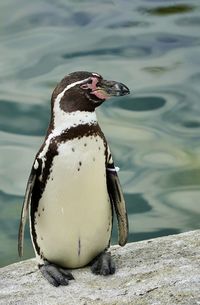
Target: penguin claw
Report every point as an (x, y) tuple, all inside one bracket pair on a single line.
[(55, 275), (66, 273), (103, 264)]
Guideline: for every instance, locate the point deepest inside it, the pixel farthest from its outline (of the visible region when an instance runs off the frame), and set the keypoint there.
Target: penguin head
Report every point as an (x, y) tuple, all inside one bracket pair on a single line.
[(84, 91)]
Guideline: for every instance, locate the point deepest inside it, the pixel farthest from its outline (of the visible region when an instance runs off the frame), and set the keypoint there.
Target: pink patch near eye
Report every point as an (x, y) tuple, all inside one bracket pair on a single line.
[(100, 94), (97, 92), (93, 86), (94, 83)]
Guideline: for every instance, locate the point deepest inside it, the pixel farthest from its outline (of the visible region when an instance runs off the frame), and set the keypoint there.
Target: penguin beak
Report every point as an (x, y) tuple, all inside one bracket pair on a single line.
[(105, 89)]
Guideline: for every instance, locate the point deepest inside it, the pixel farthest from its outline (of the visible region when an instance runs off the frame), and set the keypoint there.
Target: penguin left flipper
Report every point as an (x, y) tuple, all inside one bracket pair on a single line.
[(25, 209), (117, 199)]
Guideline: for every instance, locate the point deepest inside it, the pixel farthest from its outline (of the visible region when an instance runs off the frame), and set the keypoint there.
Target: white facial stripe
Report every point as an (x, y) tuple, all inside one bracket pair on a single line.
[(95, 74), (71, 86)]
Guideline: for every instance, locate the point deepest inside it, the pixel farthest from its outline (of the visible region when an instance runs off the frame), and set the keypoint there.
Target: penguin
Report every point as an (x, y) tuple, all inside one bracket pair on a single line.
[(73, 188)]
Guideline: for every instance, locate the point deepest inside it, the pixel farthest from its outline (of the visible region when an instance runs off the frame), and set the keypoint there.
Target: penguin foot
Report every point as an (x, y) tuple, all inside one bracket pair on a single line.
[(55, 275), (103, 264)]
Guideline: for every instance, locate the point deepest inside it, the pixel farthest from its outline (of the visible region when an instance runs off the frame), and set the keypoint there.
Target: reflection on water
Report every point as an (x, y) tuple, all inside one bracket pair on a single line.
[(153, 47), (170, 9)]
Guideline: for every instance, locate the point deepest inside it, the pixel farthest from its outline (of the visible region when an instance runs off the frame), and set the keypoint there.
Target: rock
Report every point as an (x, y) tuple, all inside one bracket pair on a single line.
[(159, 271)]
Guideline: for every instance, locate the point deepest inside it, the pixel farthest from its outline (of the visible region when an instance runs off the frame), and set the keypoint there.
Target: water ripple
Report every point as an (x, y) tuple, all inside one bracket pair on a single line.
[(29, 120)]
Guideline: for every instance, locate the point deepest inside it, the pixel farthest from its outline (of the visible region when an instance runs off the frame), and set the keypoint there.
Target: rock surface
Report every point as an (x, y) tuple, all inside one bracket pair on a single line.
[(159, 271)]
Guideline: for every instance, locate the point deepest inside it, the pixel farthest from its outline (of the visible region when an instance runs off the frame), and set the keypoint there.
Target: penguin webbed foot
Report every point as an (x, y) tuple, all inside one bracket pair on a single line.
[(55, 275), (103, 264)]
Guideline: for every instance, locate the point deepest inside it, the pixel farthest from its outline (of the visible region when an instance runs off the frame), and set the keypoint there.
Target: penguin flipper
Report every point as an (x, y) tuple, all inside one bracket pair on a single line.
[(24, 212), (117, 199)]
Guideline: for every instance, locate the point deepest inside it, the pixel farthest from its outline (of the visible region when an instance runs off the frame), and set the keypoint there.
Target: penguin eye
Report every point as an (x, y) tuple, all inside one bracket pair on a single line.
[(88, 84), (85, 86), (90, 81)]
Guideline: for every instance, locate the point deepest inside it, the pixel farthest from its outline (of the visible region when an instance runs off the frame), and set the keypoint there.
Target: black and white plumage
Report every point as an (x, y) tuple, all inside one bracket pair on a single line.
[(73, 187)]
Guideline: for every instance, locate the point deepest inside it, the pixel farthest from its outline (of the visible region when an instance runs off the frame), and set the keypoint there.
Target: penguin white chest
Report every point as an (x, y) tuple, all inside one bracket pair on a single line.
[(74, 217)]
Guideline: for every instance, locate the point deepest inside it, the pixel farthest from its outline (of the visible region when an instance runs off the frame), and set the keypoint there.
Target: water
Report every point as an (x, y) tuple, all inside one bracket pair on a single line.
[(152, 46)]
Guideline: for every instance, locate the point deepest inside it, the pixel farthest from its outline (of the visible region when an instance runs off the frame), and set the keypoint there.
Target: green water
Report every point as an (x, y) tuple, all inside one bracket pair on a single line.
[(153, 47)]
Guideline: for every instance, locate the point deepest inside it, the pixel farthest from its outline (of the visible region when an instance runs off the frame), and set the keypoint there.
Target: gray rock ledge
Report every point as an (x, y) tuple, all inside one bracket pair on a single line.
[(159, 271)]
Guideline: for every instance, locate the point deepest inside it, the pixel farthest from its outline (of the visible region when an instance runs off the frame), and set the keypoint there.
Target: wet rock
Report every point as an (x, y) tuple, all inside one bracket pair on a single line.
[(159, 271)]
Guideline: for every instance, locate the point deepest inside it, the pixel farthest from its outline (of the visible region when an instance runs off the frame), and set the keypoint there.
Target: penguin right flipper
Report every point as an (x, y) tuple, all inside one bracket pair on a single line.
[(25, 209), (117, 199)]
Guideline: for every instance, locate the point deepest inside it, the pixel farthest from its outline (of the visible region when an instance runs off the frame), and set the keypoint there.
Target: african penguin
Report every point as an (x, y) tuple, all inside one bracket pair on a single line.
[(73, 187)]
